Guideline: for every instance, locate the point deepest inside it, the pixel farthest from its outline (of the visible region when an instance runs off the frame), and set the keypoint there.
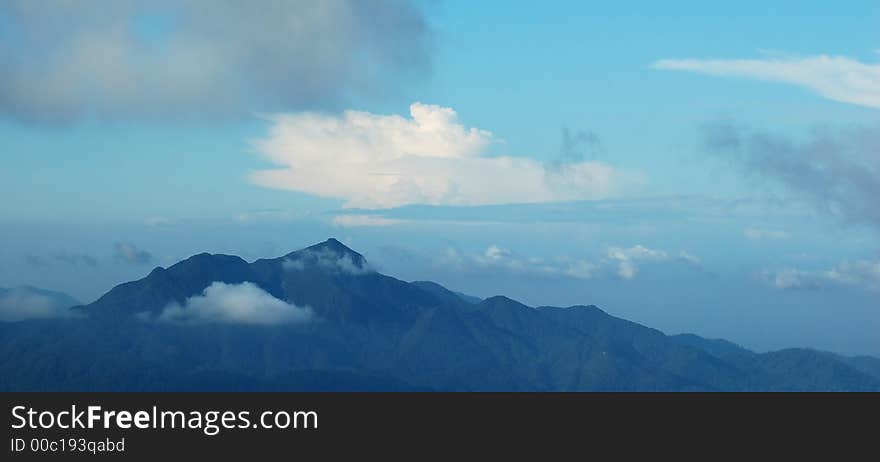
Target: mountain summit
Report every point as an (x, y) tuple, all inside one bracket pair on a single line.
[(322, 319)]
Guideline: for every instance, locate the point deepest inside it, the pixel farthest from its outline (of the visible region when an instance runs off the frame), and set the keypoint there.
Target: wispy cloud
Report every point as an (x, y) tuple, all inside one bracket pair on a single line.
[(860, 273), (619, 262), (65, 257), (244, 303), (75, 259), (378, 161), (356, 221), (835, 77), (757, 234)]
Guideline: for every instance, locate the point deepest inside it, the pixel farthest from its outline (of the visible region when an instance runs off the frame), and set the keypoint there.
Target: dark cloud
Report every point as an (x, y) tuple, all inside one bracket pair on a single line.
[(123, 58), (129, 253), (837, 169)]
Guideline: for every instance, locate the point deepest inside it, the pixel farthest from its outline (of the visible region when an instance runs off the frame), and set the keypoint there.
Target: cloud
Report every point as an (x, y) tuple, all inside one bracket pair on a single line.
[(377, 161), (835, 77), (27, 303), (159, 222), (627, 259), (354, 221), (860, 273), (838, 170), (65, 257), (617, 262), (129, 253), (128, 59), (244, 303), (328, 261), (757, 234), (75, 259)]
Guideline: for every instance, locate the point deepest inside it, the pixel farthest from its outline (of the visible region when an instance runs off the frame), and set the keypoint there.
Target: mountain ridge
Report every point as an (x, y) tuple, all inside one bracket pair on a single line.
[(362, 330)]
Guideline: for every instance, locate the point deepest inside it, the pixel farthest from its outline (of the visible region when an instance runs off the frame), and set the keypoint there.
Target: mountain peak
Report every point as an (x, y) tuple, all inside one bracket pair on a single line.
[(331, 248)]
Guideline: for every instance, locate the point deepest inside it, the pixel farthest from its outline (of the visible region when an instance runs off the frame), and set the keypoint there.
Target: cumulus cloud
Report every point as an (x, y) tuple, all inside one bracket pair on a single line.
[(860, 273), (28, 303), (838, 170), (757, 234), (244, 303), (129, 253), (616, 262), (358, 220), (125, 58), (329, 261), (835, 77), (378, 161)]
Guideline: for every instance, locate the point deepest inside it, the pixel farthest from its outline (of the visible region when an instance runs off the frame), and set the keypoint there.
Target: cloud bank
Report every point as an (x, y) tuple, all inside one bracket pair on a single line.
[(244, 303), (376, 161), (129, 59), (835, 77)]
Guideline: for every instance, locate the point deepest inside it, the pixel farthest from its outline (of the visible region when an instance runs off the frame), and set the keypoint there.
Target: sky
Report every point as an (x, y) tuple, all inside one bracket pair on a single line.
[(692, 166)]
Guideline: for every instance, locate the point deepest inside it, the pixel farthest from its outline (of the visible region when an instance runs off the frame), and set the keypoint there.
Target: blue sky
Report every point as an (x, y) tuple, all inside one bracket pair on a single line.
[(172, 133)]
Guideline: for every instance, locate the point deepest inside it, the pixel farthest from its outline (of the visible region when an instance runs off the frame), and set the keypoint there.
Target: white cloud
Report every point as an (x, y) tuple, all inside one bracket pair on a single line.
[(626, 259), (355, 221), (378, 161), (860, 273), (757, 234), (244, 303), (835, 77), (617, 261), (25, 303), (329, 261)]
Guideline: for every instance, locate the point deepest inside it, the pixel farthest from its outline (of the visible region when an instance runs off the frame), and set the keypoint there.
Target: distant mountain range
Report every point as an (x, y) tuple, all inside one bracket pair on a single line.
[(322, 319)]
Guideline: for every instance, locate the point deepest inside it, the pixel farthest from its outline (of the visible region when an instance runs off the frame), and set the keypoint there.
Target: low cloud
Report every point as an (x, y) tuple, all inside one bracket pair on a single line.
[(23, 303), (376, 161), (627, 260), (837, 170), (244, 303), (835, 77), (619, 262), (117, 59), (129, 253), (861, 273), (326, 260)]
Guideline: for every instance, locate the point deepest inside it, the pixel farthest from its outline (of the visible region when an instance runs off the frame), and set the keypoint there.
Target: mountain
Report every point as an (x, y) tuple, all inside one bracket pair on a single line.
[(322, 318)]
